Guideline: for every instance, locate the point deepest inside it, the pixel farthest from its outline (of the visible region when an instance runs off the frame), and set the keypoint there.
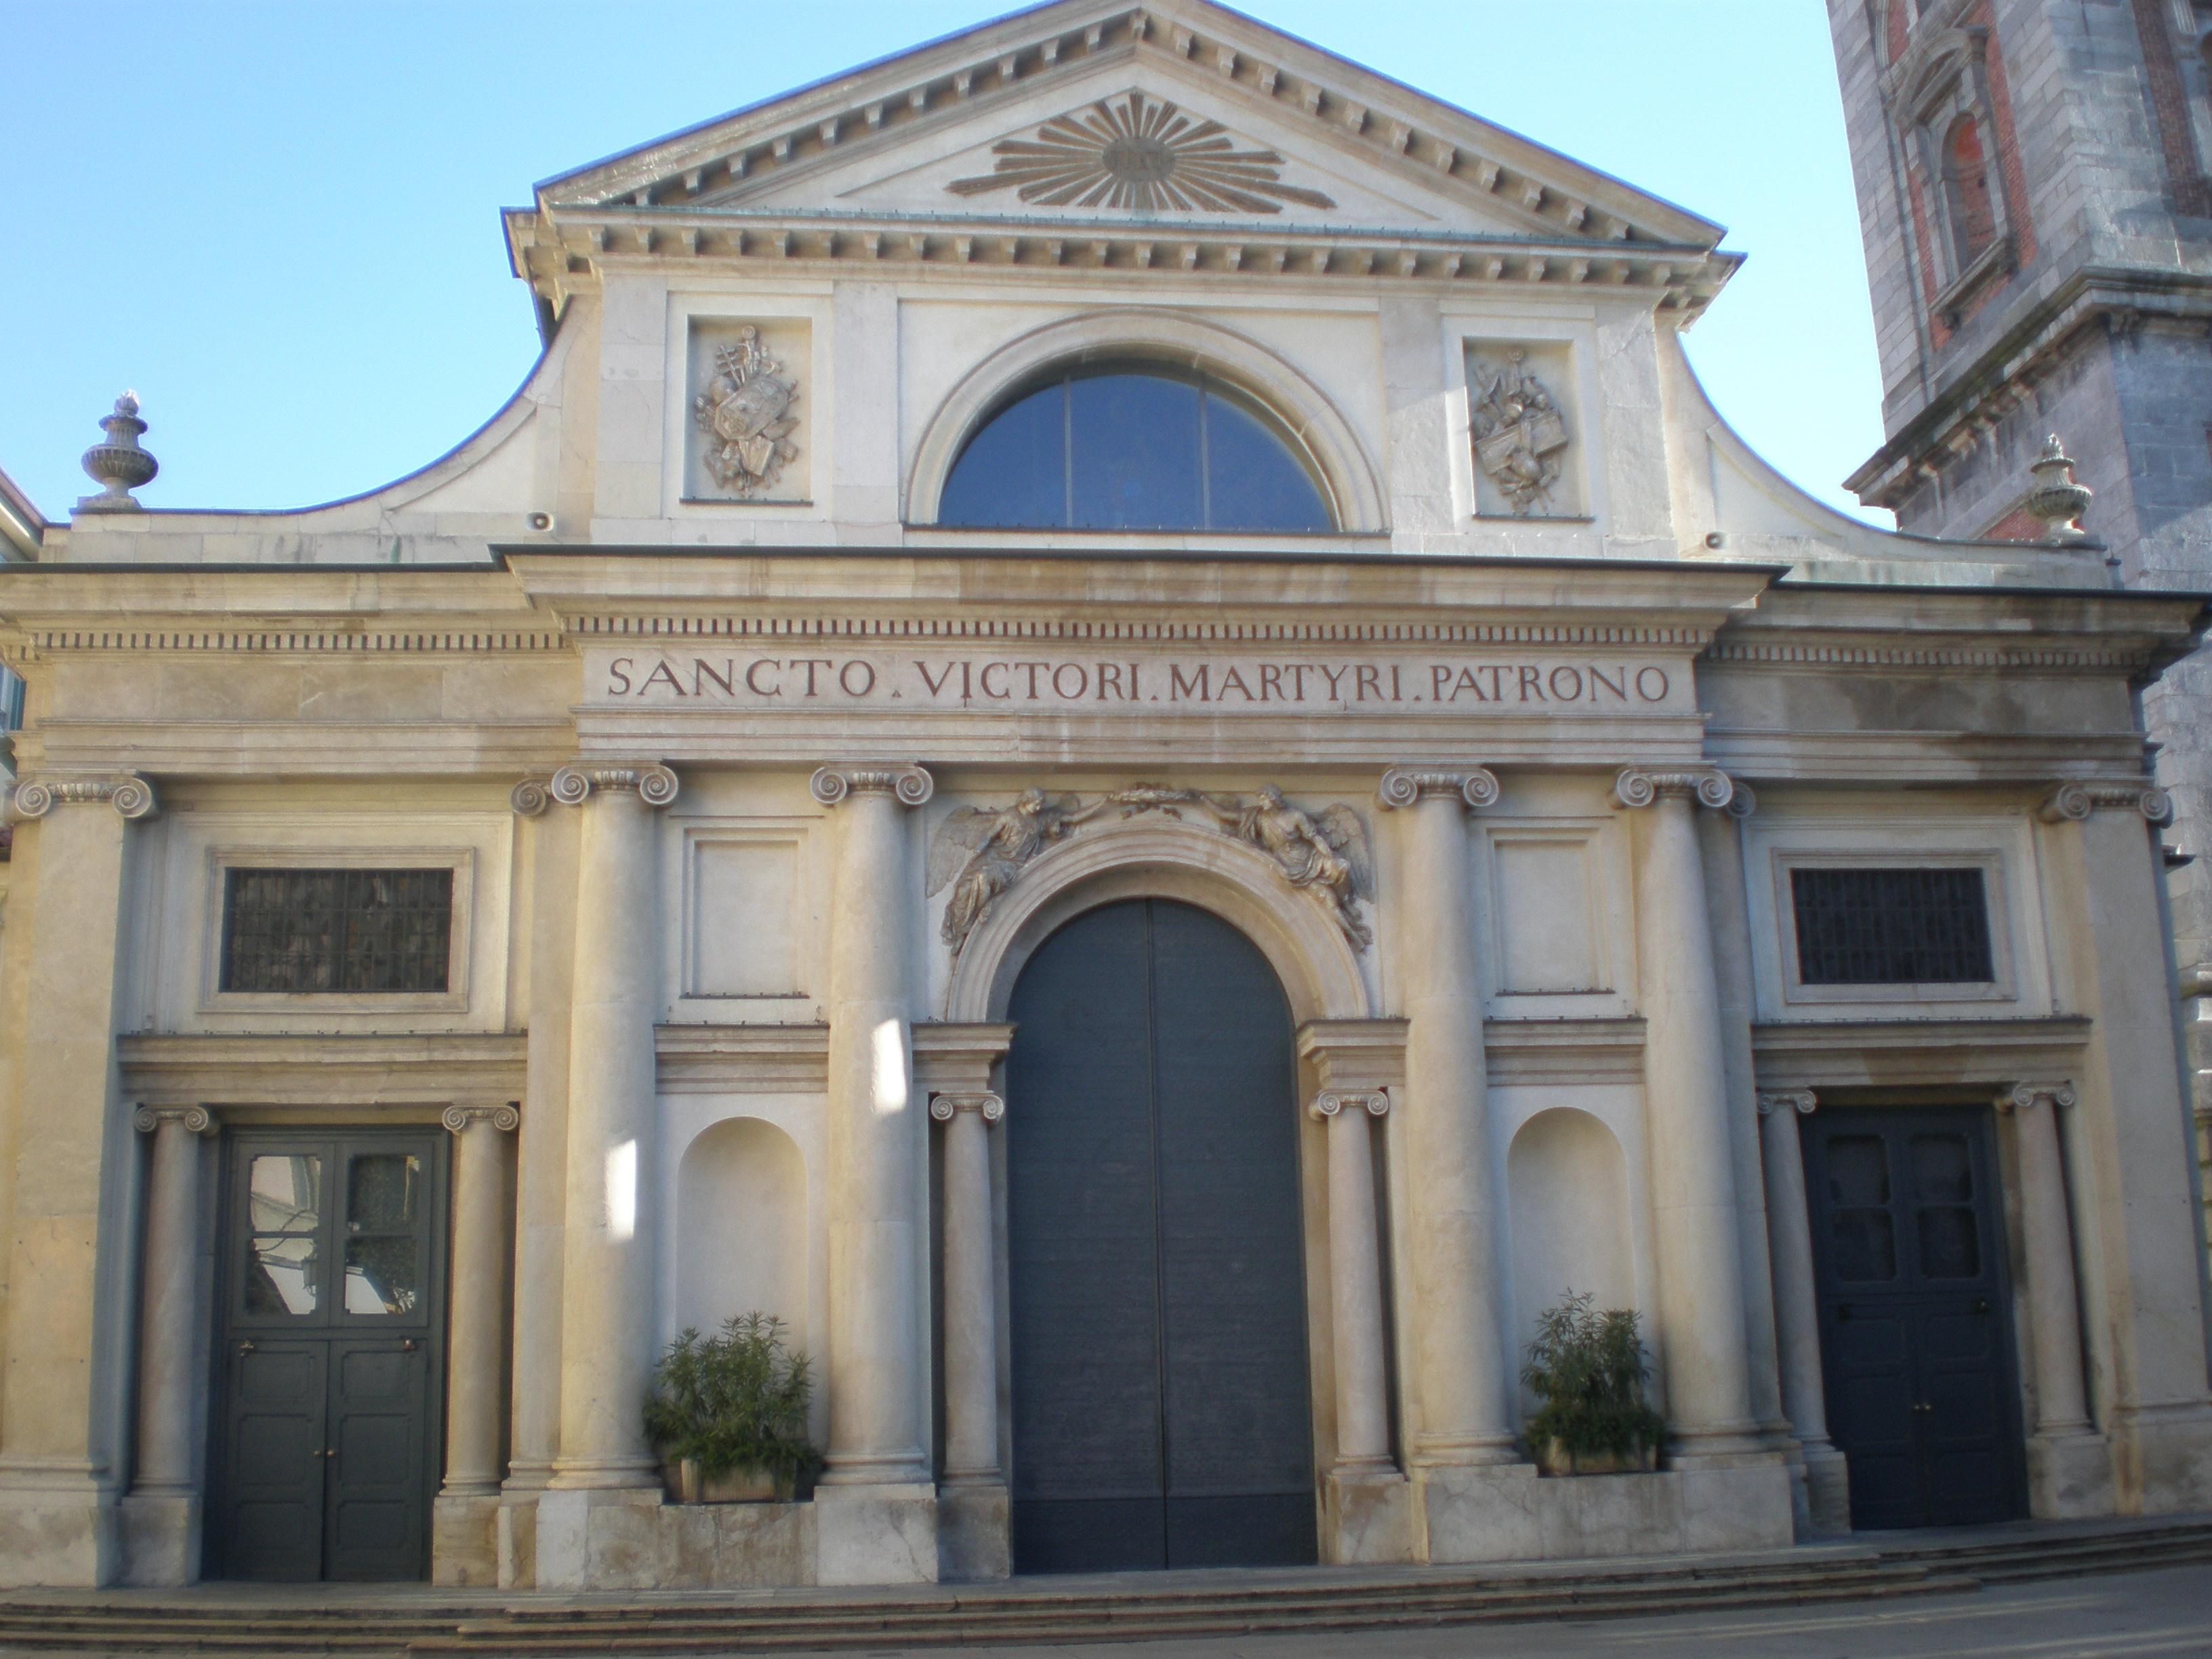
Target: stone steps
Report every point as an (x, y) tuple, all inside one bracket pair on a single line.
[(223, 1620)]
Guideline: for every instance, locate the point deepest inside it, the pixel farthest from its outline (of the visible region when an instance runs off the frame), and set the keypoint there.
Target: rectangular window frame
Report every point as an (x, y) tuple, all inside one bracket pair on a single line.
[(1990, 860), (461, 860)]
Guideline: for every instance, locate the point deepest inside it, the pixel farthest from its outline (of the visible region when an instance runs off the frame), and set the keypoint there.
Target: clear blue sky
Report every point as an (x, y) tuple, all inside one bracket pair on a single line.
[(278, 222)]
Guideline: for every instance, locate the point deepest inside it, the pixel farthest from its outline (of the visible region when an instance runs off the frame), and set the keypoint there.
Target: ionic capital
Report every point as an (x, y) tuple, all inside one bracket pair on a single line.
[(197, 1119), (573, 784), (1800, 1101), (1330, 1102), (2073, 801), (126, 791), (1402, 786), (910, 784), (530, 797), (503, 1118), (1708, 785), (2025, 1097), (1742, 802), (988, 1106)]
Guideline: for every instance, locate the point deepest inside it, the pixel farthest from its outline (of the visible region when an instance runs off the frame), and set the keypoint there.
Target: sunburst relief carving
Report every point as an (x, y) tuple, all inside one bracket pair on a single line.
[(1143, 154)]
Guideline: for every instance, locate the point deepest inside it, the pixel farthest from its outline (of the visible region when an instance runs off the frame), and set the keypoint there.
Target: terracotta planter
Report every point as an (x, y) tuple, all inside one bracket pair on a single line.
[(686, 1485), (1554, 1458)]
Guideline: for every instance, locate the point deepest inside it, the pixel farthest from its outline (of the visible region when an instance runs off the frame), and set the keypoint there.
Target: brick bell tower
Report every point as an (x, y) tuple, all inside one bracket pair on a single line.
[(2035, 189)]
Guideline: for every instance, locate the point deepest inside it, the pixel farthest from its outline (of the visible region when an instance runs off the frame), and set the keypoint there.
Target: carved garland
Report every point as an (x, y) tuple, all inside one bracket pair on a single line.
[(980, 853)]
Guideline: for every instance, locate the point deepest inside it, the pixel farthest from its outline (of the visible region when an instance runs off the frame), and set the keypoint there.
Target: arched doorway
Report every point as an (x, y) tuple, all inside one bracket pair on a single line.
[(1162, 1407)]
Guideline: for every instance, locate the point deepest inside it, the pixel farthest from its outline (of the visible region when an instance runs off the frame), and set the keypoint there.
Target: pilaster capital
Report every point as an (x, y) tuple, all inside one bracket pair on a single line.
[(1800, 1101), (573, 784), (1330, 1102), (503, 1118), (2074, 801), (530, 797), (2024, 1096), (986, 1105), (1708, 785), (1742, 802), (197, 1119), (911, 785), (126, 791), (1402, 786)]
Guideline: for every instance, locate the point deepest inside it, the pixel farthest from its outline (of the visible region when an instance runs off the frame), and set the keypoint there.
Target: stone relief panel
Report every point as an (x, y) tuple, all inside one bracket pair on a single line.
[(979, 853), (1523, 430), (746, 439)]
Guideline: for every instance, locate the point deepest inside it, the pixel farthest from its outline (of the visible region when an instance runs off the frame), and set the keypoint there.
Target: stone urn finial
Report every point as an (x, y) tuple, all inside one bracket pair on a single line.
[(119, 466), (2058, 499)]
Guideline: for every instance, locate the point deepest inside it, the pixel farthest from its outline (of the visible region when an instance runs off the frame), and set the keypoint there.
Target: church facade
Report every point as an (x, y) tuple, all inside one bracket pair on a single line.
[(1112, 728)]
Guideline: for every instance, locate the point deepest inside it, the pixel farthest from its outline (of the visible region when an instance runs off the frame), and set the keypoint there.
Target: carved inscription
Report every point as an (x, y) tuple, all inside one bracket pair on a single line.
[(1010, 684)]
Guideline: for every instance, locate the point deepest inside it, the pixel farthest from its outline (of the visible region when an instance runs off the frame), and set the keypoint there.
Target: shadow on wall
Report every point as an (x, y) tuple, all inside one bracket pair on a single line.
[(1569, 1217)]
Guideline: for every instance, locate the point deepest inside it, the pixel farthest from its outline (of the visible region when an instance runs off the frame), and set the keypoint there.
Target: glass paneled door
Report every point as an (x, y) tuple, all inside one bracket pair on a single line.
[(328, 1369)]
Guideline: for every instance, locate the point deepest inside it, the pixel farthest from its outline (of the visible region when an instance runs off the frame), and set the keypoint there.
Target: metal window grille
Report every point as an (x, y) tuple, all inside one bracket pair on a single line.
[(1891, 926), (338, 931)]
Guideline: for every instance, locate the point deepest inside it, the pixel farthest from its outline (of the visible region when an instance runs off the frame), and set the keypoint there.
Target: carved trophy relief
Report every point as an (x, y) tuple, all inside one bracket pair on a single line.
[(1520, 433), (745, 413), (980, 853)]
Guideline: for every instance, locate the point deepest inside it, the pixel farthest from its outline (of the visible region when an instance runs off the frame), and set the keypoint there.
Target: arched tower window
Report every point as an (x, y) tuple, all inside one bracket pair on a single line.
[(1966, 189), (1132, 445)]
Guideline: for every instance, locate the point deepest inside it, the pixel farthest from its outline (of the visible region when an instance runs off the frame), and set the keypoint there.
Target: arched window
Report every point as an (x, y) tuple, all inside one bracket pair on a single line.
[(1132, 446), (1966, 188)]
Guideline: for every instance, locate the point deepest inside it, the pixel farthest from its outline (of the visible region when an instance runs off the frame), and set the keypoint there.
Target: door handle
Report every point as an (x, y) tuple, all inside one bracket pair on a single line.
[(1981, 1304), (247, 1346), (330, 1452), (408, 1346), (1924, 1406)]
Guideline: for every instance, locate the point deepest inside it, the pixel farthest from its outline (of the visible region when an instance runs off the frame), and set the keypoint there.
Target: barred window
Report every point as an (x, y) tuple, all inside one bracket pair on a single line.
[(1892, 925), (338, 931)]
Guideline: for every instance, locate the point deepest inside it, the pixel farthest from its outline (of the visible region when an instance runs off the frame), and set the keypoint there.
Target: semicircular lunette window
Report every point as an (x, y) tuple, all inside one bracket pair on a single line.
[(1124, 447)]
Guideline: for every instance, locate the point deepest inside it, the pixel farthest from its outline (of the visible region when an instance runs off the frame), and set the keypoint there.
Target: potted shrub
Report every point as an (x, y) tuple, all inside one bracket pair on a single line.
[(728, 1413), (1587, 1368)]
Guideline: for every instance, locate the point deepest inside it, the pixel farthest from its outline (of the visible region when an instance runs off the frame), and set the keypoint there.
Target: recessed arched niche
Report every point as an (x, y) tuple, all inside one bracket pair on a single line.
[(1568, 1186), (740, 1234)]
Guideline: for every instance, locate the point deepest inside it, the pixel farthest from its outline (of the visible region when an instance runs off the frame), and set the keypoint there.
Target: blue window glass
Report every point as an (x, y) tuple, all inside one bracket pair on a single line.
[(1132, 449)]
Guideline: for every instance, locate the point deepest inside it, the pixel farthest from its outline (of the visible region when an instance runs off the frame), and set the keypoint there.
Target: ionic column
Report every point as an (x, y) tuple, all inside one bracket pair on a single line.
[(971, 1338), (2061, 1405), (606, 1329), (1700, 1292), (1460, 1364), (1796, 1305), (478, 1315), (877, 1385), (1355, 1265), (170, 1316)]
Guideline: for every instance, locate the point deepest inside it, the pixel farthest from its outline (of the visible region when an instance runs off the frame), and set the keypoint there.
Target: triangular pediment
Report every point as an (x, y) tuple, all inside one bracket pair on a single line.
[(1090, 110)]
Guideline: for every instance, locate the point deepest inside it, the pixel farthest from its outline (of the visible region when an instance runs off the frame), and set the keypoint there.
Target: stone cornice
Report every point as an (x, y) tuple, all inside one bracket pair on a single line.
[(1386, 124), (324, 1070), (679, 628), (1862, 1054)]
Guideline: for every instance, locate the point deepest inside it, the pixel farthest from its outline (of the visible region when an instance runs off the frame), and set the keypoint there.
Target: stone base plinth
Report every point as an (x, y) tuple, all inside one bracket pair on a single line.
[(1507, 1512), (875, 1534), (630, 1539), (517, 1540), (2161, 1459), (975, 1532), (160, 1533), (2069, 1476), (465, 1539), (1366, 1517), (1828, 1494), (69, 1538)]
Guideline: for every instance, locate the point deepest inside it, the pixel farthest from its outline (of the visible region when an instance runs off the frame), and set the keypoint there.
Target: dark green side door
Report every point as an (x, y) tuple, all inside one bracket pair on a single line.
[(328, 1376), (1915, 1336)]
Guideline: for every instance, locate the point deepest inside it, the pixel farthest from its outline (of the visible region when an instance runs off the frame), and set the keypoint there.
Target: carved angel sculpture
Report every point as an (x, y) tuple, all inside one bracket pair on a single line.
[(1328, 852), (981, 852)]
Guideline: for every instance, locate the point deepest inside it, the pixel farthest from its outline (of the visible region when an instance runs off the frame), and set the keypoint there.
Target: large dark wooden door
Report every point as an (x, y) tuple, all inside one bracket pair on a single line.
[(1162, 1408), (1916, 1335), (325, 1445)]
